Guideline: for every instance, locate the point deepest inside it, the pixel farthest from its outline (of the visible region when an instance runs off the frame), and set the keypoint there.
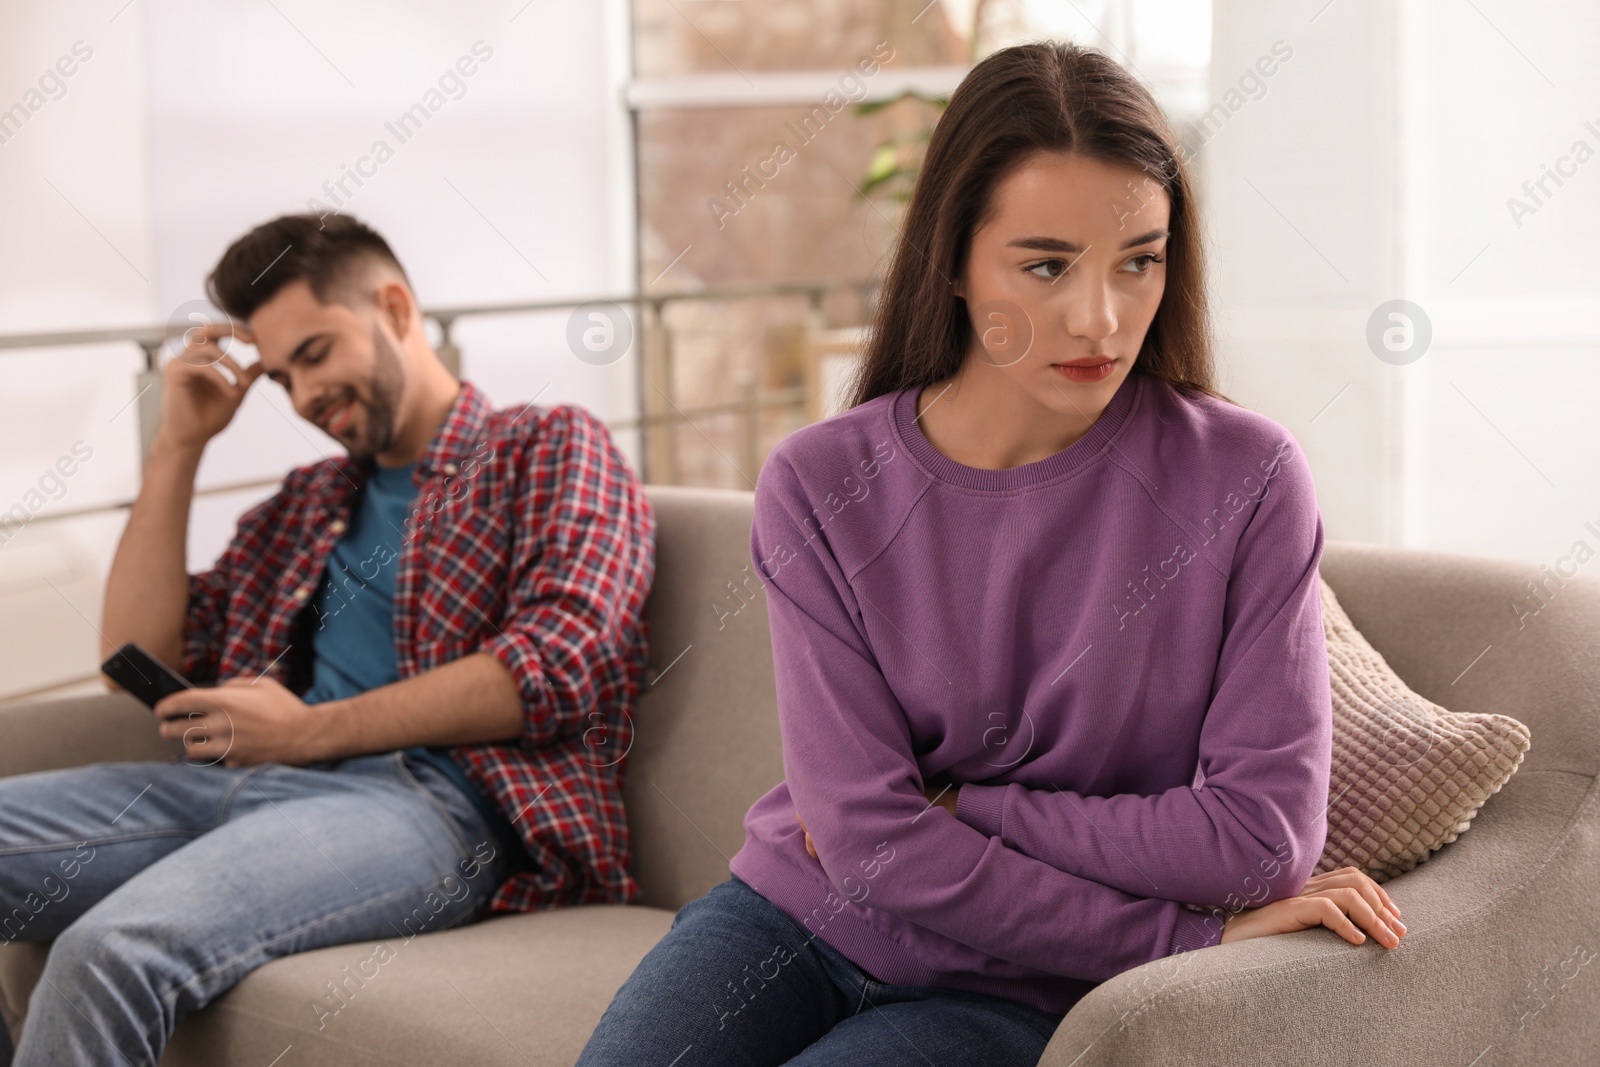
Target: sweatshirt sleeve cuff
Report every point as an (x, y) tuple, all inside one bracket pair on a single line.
[(982, 807), (1198, 929)]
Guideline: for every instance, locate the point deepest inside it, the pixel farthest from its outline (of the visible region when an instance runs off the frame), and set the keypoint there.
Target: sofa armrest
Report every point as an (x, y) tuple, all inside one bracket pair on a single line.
[(48, 734), (1498, 922)]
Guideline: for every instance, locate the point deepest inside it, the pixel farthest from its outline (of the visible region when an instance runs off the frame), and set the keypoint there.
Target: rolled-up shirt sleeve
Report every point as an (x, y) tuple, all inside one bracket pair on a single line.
[(582, 562)]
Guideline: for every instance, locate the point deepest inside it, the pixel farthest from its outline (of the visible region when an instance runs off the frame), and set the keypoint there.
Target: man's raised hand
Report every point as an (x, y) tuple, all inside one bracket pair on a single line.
[(198, 398)]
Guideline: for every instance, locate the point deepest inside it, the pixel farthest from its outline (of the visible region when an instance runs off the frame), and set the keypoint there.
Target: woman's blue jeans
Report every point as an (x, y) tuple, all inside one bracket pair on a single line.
[(163, 884), (737, 983)]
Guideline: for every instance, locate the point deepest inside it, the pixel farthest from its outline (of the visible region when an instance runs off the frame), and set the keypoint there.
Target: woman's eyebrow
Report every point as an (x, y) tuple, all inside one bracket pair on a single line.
[(1055, 244), (1045, 244), (1144, 239)]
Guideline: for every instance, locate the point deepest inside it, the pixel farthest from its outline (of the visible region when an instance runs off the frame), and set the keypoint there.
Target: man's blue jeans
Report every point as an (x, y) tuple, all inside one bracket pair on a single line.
[(692, 1002), (165, 884)]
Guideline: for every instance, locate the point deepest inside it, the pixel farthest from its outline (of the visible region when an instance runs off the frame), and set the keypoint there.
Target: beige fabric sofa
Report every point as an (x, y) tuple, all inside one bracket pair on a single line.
[(1501, 922)]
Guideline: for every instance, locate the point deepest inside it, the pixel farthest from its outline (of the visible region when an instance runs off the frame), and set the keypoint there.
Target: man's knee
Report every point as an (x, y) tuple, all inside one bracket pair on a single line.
[(96, 954)]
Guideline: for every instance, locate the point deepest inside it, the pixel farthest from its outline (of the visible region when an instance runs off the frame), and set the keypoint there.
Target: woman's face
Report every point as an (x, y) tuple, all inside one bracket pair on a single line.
[(1068, 268)]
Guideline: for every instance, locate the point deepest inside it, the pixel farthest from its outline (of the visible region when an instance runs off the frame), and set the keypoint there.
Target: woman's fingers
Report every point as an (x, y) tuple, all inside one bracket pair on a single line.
[(1371, 891), (1356, 911), (811, 849), (1346, 901), (1387, 899), (1350, 878), (1334, 918)]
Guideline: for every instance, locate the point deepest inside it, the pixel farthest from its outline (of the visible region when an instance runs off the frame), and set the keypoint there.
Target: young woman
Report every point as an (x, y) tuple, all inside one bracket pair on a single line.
[(1045, 619)]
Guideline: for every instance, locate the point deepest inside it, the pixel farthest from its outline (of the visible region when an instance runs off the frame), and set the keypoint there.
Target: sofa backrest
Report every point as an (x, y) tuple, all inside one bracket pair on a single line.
[(706, 742), (1466, 632)]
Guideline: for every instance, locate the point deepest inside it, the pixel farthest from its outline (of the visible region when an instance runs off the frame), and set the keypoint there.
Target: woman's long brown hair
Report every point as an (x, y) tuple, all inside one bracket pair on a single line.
[(1049, 96)]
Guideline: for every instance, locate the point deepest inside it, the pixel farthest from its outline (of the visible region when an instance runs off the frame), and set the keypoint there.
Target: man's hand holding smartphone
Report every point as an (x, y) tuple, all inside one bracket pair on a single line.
[(241, 723), (150, 681), (238, 723)]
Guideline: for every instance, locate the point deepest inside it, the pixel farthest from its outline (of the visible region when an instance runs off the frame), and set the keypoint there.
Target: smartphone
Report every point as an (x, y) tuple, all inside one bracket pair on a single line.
[(143, 675), (146, 678)]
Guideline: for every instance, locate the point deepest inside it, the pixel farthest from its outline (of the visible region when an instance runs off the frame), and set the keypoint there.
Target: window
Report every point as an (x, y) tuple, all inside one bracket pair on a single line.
[(756, 127)]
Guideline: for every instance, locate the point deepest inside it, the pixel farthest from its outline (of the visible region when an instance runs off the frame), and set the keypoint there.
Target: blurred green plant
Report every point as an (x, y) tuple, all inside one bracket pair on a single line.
[(893, 166)]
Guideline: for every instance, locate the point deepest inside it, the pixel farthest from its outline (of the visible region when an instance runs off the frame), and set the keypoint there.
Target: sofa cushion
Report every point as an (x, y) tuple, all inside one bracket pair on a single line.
[(706, 744), (517, 989), (1408, 775), (21, 964)]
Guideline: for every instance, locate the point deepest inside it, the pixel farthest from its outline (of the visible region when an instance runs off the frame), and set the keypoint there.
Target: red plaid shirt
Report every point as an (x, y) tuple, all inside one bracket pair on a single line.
[(530, 540)]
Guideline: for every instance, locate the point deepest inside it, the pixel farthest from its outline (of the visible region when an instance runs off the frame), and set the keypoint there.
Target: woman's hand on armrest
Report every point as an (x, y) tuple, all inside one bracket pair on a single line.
[(1346, 901)]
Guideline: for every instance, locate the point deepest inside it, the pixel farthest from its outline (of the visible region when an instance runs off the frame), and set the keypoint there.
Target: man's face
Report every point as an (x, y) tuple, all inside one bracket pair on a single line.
[(337, 363)]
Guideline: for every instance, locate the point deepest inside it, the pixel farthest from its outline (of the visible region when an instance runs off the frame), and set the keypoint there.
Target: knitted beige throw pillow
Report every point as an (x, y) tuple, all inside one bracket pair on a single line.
[(1408, 775)]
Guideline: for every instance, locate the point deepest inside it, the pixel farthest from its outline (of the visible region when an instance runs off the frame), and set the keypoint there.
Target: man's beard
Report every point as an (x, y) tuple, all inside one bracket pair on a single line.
[(385, 386)]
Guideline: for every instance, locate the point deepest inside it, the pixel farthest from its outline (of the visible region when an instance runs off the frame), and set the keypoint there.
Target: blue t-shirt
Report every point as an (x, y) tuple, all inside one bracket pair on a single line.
[(354, 609), (353, 642)]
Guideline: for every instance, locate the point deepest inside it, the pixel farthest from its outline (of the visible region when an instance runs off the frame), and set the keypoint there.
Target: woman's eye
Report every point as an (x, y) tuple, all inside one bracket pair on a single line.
[(1144, 262), (1053, 268)]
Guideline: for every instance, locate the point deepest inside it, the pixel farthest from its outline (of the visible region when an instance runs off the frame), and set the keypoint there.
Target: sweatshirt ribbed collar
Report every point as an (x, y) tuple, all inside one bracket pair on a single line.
[(1075, 455)]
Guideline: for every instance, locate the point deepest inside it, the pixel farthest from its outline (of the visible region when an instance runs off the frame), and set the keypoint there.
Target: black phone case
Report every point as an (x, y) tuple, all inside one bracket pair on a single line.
[(142, 675)]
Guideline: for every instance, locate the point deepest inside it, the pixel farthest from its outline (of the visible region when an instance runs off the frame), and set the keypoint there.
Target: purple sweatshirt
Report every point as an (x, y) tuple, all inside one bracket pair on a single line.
[(1116, 652)]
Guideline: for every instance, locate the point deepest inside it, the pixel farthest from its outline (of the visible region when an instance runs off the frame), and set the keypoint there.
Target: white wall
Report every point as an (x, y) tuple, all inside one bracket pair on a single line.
[(1507, 432), (76, 251), (1376, 167), (192, 122)]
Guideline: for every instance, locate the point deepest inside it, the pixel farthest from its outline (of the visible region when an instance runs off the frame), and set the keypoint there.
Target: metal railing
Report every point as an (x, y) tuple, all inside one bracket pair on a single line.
[(656, 399), (656, 402)]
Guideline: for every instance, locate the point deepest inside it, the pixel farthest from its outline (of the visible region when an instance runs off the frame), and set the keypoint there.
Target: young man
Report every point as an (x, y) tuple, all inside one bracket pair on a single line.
[(426, 653)]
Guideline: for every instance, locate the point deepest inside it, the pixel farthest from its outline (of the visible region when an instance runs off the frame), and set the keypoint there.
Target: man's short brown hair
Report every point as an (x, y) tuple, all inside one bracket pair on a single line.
[(328, 251)]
